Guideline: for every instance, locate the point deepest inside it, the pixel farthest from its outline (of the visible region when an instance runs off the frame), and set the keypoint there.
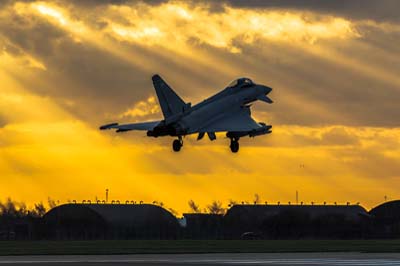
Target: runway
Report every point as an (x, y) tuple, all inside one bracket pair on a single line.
[(272, 259)]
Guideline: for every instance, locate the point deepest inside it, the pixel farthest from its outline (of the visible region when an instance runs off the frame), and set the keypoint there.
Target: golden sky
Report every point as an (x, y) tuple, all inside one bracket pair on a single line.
[(67, 67)]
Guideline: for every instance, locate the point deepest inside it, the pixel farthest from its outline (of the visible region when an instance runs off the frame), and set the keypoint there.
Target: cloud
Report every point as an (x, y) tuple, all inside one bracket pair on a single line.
[(292, 51), (37, 151), (3, 122), (143, 109), (383, 10), (151, 25), (68, 66), (355, 9), (94, 3), (300, 136), (340, 136)]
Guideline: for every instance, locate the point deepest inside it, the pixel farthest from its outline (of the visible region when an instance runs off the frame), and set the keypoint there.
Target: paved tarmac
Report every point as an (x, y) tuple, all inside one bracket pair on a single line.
[(271, 259)]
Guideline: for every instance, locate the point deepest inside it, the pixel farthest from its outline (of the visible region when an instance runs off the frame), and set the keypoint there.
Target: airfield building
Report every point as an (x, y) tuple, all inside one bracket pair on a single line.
[(386, 220), (203, 226), (110, 221), (295, 221), (146, 221)]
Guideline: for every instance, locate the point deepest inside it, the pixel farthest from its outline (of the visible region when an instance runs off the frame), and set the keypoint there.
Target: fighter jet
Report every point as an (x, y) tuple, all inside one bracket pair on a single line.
[(227, 111)]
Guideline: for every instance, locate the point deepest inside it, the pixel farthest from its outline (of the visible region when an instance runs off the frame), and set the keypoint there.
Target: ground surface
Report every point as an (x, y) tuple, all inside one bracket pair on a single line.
[(271, 259), (193, 246)]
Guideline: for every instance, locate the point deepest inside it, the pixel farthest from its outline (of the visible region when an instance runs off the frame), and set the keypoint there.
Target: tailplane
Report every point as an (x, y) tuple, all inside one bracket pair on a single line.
[(170, 102)]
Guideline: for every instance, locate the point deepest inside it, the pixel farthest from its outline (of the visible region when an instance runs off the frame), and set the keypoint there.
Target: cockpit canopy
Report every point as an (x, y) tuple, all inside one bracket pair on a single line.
[(240, 82)]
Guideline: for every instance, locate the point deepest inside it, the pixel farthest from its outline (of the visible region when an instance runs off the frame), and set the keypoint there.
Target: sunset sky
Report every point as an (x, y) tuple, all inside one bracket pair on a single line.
[(67, 67)]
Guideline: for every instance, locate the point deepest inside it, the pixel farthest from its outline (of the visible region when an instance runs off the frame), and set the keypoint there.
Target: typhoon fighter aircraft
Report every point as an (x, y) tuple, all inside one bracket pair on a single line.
[(227, 111)]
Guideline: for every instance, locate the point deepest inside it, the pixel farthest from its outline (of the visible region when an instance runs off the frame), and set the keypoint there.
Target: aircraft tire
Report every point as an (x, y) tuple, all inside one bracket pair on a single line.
[(234, 146), (176, 145)]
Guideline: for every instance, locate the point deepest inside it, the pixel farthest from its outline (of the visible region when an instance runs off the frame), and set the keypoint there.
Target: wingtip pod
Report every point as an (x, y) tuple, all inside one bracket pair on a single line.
[(155, 77), (264, 129), (108, 126)]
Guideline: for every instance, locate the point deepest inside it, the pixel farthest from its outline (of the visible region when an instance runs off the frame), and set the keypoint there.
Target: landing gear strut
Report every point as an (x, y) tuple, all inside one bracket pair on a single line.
[(177, 144), (234, 145)]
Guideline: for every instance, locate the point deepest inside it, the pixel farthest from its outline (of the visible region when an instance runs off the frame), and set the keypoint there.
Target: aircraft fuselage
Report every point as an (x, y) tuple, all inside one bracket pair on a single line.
[(227, 111), (193, 119)]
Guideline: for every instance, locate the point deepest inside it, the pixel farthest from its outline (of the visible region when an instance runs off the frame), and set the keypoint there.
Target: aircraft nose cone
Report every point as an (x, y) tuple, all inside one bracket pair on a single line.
[(267, 89)]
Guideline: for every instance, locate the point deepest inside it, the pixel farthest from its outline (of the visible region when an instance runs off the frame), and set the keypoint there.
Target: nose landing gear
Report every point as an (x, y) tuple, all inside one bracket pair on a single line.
[(177, 144), (234, 145)]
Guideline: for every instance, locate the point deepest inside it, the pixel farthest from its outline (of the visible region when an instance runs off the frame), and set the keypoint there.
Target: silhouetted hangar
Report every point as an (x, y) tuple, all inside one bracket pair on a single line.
[(110, 221), (386, 220), (296, 221)]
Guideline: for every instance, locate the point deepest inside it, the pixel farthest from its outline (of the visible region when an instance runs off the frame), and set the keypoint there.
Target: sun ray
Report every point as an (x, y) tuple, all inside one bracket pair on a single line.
[(47, 149)]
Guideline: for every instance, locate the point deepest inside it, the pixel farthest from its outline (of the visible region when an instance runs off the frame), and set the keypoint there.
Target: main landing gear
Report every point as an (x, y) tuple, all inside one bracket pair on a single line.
[(177, 144), (234, 145)]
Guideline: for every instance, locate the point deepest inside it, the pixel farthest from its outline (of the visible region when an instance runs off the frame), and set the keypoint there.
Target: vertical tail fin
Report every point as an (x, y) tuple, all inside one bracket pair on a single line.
[(169, 101)]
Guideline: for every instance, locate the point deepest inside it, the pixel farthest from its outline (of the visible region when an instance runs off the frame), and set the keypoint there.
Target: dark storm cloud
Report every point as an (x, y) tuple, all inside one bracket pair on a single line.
[(356, 9)]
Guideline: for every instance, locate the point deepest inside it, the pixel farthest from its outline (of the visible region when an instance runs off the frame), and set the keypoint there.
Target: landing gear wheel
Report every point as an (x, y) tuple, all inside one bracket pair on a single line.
[(234, 146), (177, 145)]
